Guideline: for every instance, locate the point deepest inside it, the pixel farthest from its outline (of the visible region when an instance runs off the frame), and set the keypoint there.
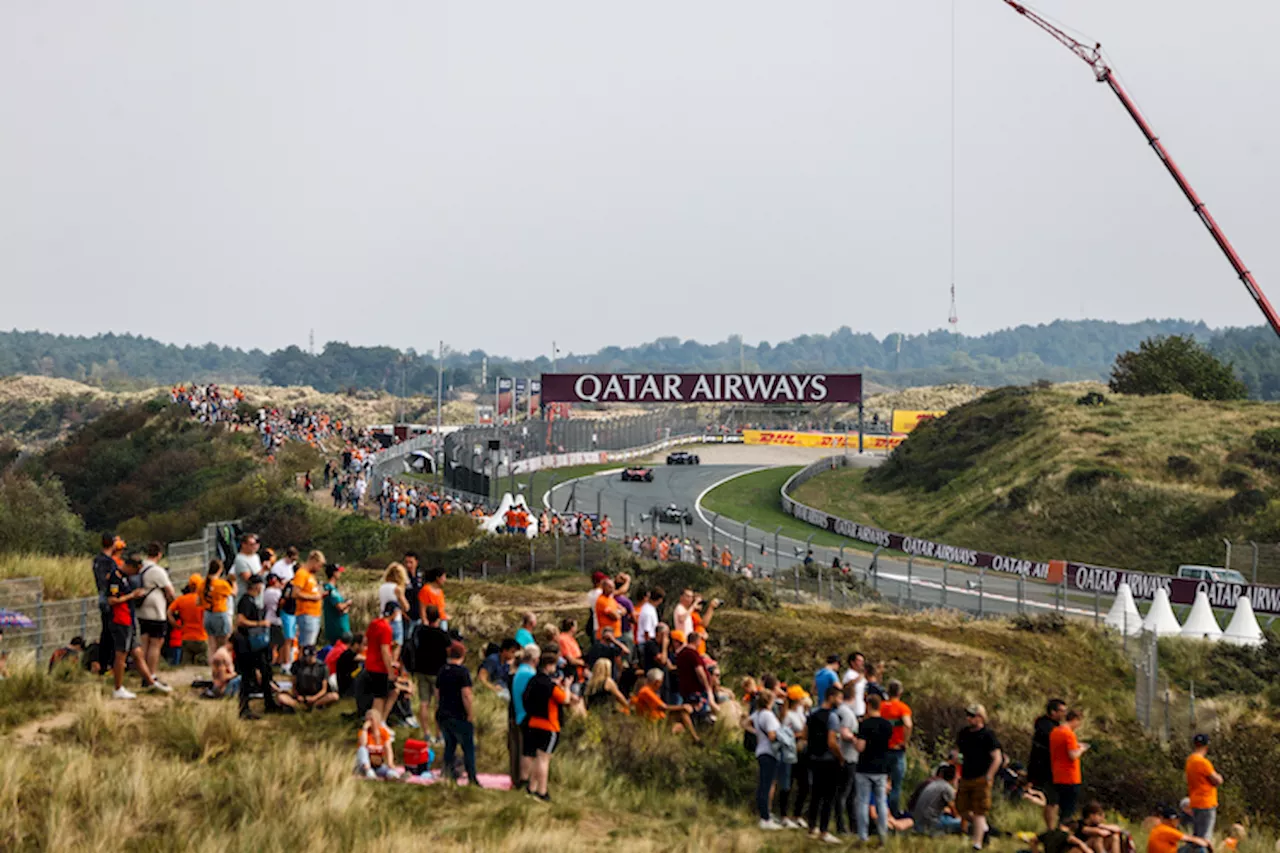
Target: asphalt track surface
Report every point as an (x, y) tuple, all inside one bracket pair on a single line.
[(979, 593)]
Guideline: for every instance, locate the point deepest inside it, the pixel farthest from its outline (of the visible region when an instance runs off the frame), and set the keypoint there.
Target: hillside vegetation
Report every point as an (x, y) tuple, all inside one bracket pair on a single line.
[(1051, 473)]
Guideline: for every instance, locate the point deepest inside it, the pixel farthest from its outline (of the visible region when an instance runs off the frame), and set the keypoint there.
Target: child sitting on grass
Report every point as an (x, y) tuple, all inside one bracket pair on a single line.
[(375, 757)]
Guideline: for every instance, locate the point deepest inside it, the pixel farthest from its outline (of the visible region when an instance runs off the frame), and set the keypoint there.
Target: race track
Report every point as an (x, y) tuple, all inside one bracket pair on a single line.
[(624, 503)]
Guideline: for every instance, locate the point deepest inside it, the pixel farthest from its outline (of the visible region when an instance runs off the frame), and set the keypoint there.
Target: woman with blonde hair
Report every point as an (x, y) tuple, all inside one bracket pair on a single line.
[(394, 582), (215, 592), (601, 688)]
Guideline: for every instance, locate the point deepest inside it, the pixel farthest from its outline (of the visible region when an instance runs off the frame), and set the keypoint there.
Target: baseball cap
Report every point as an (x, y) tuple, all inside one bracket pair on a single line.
[(795, 693), (308, 650), (976, 710), (390, 607), (596, 577), (1200, 740), (1167, 812), (678, 636)]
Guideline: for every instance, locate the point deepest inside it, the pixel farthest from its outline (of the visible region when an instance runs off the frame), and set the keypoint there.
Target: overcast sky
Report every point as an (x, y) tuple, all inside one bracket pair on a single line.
[(500, 174)]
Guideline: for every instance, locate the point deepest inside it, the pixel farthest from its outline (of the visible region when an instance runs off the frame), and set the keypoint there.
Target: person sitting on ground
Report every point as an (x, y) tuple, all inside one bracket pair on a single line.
[(349, 664), (225, 682), (933, 802), (601, 688), (495, 669), (70, 654), (1062, 839), (375, 755), (649, 705), (1167, 837), (310, 688), (1099, 836)]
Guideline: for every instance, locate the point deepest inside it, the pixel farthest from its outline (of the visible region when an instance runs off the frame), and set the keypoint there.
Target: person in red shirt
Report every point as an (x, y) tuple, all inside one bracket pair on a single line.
[(898, 713), (542, 700), (379, 664), (1064, 759)]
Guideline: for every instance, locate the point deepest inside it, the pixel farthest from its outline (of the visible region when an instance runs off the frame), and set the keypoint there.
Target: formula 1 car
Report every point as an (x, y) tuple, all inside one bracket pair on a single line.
[(637, 474), (669, 514), (683, 457)]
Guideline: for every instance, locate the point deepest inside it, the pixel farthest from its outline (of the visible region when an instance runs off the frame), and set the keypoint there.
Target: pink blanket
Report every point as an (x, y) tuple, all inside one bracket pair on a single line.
[(497, 781)]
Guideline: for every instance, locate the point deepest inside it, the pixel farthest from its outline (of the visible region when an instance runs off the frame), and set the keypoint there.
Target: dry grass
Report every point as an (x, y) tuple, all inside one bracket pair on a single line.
[(64, 577)]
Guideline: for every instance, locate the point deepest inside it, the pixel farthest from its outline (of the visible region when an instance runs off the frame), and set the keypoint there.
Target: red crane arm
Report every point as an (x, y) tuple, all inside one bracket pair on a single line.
[(1092, 56)]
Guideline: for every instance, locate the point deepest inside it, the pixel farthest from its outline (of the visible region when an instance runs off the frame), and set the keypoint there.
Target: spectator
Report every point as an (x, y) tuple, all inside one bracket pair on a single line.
[(187, 615), (1040, 762), (844, 806), (621, 594), (529, 657), (433, 654), (379, 662), (872, 678), (608, 614), (375, 756), (495, 669), (306, 589), (1064, 756), (120, 598), (271, 607), (1165, 836), (543, 698), (647, 619), (874, 735), (348, 665), (524, 636), (247, 563), (570, 651), (856, 674), (215, 594), (224, 680), (793, 766), (1099, 836), (981, 756), (337, 610), (601, 689), (433, 595), (103, 565), (1058, 840), (825, 763), (252, 650), (1203, 782), (395, 580), (930, 813), (826, 677), (682, 617), (607, 647), (417, 577), (68, 654), (649, 704), (152, 609), (455, 714), (310, 688), (898, 713), (694, 683)]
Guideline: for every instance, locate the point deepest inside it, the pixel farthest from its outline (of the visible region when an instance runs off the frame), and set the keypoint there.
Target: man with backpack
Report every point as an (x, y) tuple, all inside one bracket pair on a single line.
[(153, 609)]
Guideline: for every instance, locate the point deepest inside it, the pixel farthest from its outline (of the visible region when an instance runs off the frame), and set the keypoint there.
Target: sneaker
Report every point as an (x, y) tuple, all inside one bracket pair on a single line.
[(800, 823), (157, 684), (831, 839), (121, 693), (369, 774), (770, 824), (544, 798), (788, 823), (412, 722)]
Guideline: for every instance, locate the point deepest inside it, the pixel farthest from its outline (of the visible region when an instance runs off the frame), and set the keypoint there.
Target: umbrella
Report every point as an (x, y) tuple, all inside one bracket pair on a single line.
[(14, 619)]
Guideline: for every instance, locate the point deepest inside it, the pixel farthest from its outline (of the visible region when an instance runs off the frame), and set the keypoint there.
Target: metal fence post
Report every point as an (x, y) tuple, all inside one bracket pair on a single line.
[(484, 570), (1254, 546), (715, 517), (599, 505), (533, 558), (84, 616), (841, 557), (582, 553), (39, 627), (745, 525), (982, 585), (777, 556), (557, 546), (1097, 606), (910, 571), (797, 574), (1227, 563), (819, 581), (1061, 594), (626, 519), (1022, 594), (945, 572), (573, 497)]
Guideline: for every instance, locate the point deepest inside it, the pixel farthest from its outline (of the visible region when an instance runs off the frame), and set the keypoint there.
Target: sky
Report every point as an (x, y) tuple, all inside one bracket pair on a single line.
[(503, 174)]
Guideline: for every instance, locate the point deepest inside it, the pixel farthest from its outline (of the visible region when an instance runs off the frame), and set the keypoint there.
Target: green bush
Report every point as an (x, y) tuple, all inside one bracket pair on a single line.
[(354, 539), (1248, 502), (1175, 365), (1267, 440), (734, 590), (1235, 478), (1088, 477), (1182, 466), (35, 517)]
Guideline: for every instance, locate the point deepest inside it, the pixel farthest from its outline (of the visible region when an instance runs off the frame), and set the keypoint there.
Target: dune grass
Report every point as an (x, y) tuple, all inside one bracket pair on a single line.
[(64, 577)]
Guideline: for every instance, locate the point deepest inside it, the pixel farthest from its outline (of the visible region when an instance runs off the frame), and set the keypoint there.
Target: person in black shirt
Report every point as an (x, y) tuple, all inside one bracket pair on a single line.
[(872, 777), (454, 713), (433, 650), (1039, 768), (873, 682), (252, 650), (825, 763), (310, 684), (103, 566), (349, 664), (607, 647), (981, 757)]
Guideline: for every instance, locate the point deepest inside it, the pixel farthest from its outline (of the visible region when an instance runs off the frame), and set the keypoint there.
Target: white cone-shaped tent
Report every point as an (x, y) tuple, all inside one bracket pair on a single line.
[(1160, 618), (1202, 624), (1124, 615), (1244, 629)]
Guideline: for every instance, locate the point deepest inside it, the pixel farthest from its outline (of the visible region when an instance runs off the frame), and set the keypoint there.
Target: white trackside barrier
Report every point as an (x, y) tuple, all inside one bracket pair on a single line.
[(1201, 624), (1124, 615), (1160, 619), (1244, 629)]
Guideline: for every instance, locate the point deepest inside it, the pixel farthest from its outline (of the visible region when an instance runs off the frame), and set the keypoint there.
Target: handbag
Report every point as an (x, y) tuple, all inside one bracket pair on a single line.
[(259, 640)]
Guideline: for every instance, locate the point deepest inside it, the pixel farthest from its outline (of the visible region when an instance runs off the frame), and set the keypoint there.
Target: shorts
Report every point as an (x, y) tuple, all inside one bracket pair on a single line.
[(308, 630), (277, 636), (973, 796), (194, 651), (397, 632), (1049, 789), (539, 740), (153, 628), (123, 638), (289, 626), (698, 701), (377, 684), (217, 624), (426, 687), (1068, 796)]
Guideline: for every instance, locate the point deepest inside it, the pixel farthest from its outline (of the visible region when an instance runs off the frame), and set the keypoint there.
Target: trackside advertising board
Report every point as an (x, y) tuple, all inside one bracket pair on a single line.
[(906, 421), (787, 438), (1078, 576), (771, 388)]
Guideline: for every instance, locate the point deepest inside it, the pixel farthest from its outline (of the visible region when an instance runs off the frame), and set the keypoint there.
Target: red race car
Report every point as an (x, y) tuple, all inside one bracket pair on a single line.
[(644, 475)]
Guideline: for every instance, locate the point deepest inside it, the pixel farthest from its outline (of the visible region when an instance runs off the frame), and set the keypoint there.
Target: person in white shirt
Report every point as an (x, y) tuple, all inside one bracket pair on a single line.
[(152, 610), (247, 564), (286, 565), (647, 621), (856, 675), (682, 619), (635, 544), (271, 608)]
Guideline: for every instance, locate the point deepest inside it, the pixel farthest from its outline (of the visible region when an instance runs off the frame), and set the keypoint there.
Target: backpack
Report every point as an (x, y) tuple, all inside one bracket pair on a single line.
[(288, 599), (409, 650)]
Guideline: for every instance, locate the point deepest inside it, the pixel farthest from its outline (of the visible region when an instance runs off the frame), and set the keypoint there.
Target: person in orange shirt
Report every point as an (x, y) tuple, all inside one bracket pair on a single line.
[(215, 591), (542, 700), (649, 705), (432, 592), (586, 527), (898, 713), (306, 590), (1064, 759), (605, 525), (726, 559), (608, 611), (187, 615), (1166, 837), (1202, 788)]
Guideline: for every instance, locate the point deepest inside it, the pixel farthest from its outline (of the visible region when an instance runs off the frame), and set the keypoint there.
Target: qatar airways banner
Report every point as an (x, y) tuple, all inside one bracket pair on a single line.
[(810, 388), (1100, 579)]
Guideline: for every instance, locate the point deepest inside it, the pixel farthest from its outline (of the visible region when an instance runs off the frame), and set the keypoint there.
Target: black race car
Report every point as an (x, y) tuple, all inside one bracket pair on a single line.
[(683, 457), (644, 475), (669, 514)]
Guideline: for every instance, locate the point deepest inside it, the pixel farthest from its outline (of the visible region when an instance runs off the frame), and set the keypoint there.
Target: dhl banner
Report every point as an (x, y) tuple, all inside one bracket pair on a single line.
[(906, 421), (819, 439)]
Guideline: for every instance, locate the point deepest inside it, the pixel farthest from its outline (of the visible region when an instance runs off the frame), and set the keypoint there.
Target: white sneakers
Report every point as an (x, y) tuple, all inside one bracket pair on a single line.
[(157, 684), (788, 823), (770, 824), (831, 839), (800, 823), (121, 693)]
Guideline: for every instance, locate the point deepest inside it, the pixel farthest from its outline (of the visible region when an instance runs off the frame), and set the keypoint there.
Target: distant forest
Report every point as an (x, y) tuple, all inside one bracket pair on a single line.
[(1059, 351)]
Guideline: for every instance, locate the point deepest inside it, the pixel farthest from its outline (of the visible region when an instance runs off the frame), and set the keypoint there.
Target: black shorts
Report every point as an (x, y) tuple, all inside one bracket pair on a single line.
[(1049, 789), (539, 740), (153, 628), (123, 638), (378, 684), (1068, 796)]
